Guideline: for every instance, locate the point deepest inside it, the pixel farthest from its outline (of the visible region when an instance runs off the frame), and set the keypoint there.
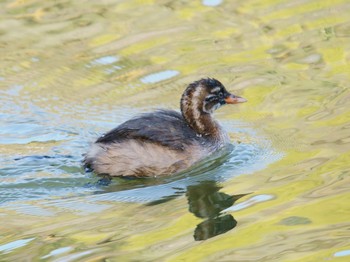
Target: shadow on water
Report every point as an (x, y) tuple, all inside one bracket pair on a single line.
[(205, 201)]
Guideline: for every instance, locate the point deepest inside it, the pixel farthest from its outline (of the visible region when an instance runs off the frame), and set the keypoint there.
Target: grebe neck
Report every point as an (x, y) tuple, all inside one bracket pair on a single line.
[(192, 110)]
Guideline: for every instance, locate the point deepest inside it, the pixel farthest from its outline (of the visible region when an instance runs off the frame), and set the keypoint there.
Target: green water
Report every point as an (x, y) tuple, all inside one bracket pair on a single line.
[(71, 70)]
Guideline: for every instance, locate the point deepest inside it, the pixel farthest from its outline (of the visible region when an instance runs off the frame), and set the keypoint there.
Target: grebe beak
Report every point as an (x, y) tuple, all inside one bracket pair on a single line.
[(232, 99)]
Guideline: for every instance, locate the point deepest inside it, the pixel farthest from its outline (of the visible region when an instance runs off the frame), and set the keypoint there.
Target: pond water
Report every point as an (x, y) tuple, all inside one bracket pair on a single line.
[(72, 70)]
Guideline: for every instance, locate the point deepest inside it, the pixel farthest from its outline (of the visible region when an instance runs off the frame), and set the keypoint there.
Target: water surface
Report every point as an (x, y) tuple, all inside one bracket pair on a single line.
[(70, 71)]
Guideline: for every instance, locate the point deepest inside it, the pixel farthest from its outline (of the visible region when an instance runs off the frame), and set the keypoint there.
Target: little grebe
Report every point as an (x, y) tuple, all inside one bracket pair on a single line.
[(165, 142)]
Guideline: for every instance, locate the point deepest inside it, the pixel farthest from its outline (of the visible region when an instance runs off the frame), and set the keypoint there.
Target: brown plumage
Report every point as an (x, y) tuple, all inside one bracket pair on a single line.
[(165, 142)]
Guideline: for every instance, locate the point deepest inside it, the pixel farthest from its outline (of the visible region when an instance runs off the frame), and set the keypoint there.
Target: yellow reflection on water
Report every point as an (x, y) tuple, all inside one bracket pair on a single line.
[(83, 63)]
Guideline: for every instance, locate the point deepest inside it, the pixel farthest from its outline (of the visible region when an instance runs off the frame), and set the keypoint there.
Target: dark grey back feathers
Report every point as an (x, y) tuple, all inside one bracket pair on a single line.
[(165, 127)]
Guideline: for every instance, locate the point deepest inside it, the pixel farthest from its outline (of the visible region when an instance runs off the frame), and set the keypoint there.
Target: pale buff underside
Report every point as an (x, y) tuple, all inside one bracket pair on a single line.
[(133, 158)]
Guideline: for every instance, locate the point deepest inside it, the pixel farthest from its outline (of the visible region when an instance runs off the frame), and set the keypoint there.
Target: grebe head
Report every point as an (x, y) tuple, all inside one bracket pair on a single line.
[(200, 99), (206, 95)]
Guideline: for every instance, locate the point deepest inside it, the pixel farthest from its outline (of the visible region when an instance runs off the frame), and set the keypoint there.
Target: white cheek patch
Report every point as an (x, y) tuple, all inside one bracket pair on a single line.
[(216, 106), (211, 110)]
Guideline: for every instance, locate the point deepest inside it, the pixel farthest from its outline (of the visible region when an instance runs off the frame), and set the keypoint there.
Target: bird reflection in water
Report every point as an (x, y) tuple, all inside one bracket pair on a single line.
[(205, 201)]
